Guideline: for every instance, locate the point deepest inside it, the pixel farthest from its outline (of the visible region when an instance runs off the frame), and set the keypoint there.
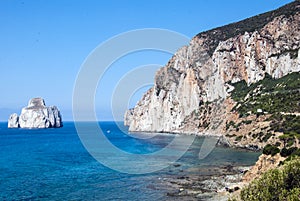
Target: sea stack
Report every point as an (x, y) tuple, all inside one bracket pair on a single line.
[(36, 115)]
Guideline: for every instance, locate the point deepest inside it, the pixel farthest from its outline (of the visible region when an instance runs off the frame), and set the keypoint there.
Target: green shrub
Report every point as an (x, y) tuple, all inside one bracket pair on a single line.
[(293, 195), (287, 152), (288, 139), (238, 138), (284, 152), (230, 135), (228, 125), (291, 174), (270, 150), (247, 122), (266, 137), (290, 142), (296, 153), (276, 185), (264, 188)]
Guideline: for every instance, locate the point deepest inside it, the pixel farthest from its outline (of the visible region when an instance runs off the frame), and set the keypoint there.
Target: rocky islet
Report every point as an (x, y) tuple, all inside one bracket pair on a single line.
[(36, 115)]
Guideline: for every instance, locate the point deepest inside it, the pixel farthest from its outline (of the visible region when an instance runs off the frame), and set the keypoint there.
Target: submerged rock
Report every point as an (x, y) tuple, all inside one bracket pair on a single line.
[(36, 115)]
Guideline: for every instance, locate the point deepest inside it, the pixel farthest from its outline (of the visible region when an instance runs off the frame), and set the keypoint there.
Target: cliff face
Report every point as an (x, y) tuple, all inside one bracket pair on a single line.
[(191, 93), (36, 115)]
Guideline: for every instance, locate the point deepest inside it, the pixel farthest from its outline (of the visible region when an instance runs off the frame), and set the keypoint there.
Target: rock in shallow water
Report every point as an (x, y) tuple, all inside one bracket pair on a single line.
[(36, 115)]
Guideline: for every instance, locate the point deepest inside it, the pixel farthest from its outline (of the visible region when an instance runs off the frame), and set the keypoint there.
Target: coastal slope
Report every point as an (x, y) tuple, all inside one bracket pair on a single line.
[(193, 92)]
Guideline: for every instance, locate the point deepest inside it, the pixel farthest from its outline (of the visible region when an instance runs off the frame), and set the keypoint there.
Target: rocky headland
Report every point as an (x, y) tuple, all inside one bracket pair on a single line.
[(194, 89), (36, 115), (240, 82)]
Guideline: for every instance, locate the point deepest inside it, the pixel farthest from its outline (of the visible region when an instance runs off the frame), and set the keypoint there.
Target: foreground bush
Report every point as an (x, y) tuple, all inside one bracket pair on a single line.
[(270, 150), (276, 185)]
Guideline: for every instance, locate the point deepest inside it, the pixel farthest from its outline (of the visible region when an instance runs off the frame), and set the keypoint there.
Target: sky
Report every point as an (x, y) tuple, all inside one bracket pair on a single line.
[(43, 44)]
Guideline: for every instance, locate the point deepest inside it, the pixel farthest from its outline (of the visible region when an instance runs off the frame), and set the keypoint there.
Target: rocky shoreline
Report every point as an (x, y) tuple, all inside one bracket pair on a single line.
[(203, 183), (238, 83), (214, 183), (217, 184), (221, 140)]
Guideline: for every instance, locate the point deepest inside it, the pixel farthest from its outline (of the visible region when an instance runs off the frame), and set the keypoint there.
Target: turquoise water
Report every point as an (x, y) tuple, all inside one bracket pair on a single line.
[(52, 164)]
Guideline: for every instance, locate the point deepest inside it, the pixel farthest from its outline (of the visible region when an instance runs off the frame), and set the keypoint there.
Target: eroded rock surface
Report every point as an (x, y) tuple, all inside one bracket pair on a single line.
[(13, 121), (36, 115)]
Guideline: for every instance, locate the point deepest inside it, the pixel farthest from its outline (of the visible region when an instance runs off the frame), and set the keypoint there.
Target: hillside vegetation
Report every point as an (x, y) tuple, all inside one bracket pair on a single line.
[(271, 95), (282, 184), (280, 100)]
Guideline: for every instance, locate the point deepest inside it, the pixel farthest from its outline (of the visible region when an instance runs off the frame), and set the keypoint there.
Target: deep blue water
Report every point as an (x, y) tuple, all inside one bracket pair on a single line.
[(52, 164)]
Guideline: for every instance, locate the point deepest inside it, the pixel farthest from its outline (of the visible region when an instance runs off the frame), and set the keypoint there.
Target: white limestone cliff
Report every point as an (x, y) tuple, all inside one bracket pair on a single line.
[(202, 72), (13, 121), (36, 115)]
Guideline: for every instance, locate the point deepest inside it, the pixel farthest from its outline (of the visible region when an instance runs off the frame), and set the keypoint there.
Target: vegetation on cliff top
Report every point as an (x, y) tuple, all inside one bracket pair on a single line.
[(248, 25), (278, 98)]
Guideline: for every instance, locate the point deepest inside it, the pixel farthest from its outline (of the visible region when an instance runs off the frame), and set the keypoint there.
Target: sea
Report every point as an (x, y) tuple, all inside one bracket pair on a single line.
[(54, 164)]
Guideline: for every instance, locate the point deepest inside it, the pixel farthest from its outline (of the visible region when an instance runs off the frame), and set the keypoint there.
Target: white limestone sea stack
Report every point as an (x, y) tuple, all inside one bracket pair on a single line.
[(36, 115)]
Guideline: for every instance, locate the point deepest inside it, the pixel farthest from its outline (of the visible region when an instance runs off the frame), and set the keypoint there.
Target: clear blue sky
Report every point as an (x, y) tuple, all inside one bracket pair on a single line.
[(44, 43)]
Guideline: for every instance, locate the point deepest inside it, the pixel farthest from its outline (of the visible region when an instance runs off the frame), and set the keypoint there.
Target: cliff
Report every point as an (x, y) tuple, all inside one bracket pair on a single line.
[(193, 92), (36, 115)]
